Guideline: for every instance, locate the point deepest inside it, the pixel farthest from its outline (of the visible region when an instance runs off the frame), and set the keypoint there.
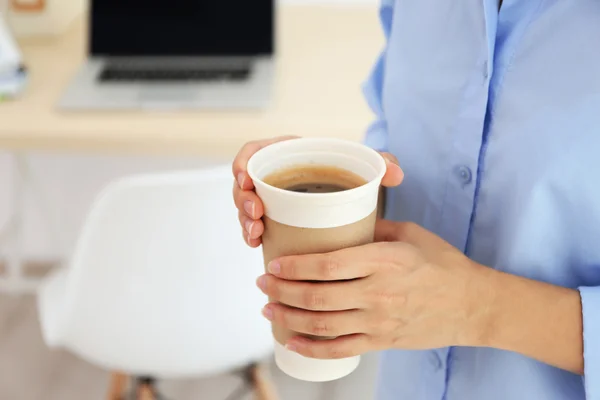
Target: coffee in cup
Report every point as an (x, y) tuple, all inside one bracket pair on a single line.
[(314, 179)]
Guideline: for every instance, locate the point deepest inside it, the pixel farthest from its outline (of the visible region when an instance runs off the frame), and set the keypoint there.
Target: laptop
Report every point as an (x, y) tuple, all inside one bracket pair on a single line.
[(176, 54)]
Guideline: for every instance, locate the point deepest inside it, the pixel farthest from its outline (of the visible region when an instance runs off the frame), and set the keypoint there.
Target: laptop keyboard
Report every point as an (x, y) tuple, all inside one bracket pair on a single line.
[(128, 75)]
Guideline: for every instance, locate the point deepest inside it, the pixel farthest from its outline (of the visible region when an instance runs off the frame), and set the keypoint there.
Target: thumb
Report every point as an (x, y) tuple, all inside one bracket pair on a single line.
[(394, 174)]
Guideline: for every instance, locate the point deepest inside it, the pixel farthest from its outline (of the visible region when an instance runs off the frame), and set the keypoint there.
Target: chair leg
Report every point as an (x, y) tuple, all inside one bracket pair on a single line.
[(117, 386), (145, 392), (263, 386), (145, 389)]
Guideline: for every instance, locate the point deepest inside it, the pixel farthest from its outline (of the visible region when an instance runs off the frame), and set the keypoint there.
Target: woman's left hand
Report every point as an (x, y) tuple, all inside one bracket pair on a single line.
[(409, 290)]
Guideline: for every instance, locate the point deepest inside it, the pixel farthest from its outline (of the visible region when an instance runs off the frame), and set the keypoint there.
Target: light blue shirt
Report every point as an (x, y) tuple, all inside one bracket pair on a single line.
[(495, 118)]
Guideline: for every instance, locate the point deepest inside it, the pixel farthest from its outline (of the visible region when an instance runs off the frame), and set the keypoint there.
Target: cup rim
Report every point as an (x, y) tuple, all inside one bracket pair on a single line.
[(332, 195)]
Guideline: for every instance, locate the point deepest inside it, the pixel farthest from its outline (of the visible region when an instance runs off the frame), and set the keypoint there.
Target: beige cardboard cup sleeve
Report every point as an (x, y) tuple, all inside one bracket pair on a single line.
[(305, 223)]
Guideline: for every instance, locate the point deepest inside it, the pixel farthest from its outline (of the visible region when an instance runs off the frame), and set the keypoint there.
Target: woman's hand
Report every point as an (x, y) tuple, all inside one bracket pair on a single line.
[(410, 290), (250, 208)]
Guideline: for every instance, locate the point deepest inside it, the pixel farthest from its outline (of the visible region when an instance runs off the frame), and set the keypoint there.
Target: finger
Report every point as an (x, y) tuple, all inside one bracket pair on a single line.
[(325, 324), (249, 241), (254, 243), (253, 228), (341, 347), (350, 263), (248, 237), (247, 151), (248, 202), (422, 239), (407, 232), (394, 174), (330, 296), (386, 230)]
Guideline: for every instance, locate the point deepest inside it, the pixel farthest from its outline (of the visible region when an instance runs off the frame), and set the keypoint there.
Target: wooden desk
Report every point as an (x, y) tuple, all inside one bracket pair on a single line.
[(325, 53)]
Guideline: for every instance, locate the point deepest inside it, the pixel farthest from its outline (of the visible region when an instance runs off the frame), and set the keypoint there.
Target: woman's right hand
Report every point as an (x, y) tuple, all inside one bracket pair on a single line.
[(250, 208)]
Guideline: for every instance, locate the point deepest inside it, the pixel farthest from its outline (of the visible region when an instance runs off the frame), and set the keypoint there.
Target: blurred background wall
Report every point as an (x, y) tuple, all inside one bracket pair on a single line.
[(71, 182)]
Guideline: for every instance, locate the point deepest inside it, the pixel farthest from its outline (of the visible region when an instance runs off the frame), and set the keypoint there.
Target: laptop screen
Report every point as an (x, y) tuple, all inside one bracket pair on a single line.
[(182, 27)]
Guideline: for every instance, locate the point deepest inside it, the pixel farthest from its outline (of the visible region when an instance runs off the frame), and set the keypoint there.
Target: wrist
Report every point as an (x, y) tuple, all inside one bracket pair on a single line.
[(480, 307), (529, 317)]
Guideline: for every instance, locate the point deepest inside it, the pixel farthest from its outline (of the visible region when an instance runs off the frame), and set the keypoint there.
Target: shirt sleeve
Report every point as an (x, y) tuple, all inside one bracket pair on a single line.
[(590, 302), (377, 134)]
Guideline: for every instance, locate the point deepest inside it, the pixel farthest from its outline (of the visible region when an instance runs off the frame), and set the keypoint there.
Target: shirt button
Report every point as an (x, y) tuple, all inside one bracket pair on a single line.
[(486, 74), (464, 174)]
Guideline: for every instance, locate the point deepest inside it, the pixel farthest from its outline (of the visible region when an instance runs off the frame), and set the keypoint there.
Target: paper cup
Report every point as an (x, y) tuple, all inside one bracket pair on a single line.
[(305, 223)]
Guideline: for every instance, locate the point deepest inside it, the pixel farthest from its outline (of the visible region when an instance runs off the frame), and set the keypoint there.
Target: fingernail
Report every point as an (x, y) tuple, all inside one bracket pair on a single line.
[(240, 178), (268, 313), (249, 207), (291, 347), (248, 225), (274, 267), (261, 282)]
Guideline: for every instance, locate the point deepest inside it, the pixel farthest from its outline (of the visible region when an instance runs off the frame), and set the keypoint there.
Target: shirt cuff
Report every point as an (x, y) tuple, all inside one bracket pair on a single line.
[(590, 302)]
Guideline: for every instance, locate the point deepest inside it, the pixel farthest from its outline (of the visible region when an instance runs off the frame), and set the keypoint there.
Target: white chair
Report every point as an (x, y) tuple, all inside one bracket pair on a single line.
[(161, 284)]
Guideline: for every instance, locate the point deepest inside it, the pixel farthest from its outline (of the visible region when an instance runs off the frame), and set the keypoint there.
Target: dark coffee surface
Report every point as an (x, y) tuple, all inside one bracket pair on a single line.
[(314, 179), (316, 188)]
